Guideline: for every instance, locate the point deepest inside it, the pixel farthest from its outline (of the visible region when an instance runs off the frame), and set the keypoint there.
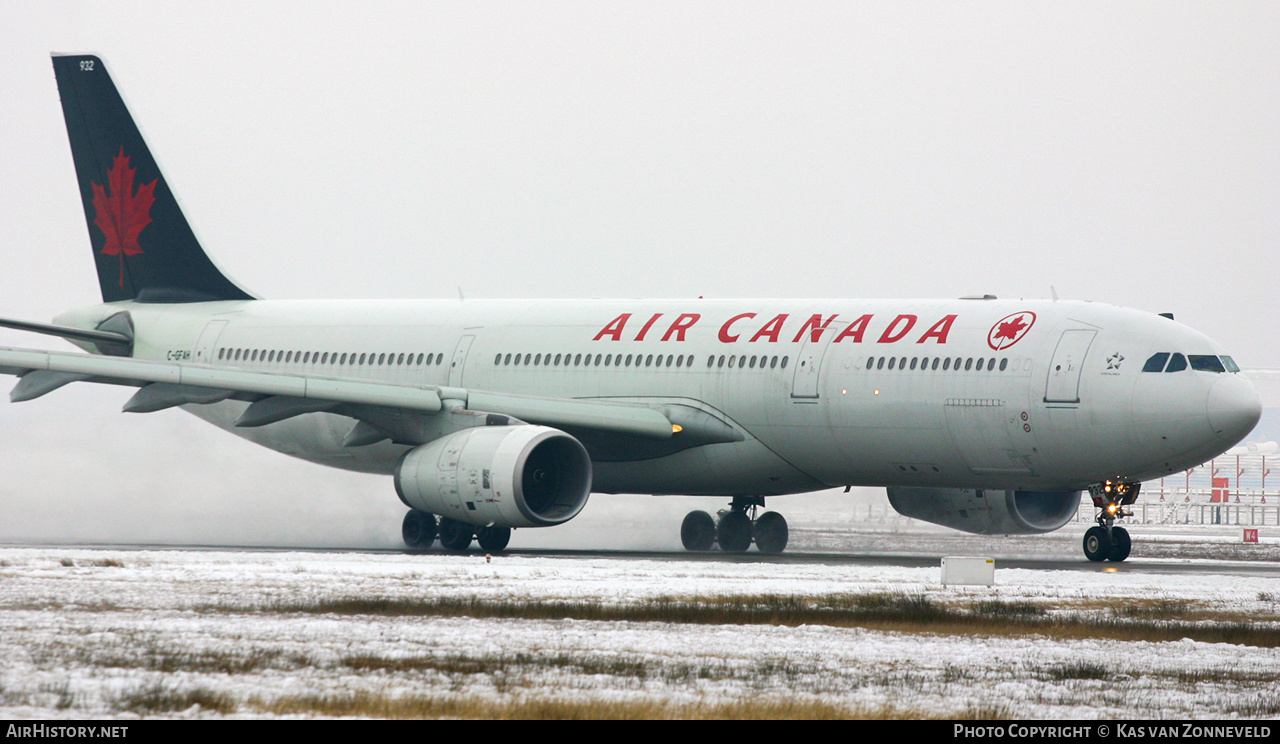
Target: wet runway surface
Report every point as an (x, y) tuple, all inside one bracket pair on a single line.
[(1199, 565)]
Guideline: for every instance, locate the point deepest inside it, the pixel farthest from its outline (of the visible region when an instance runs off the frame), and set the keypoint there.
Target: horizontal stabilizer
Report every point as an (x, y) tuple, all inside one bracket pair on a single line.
[(108, 341)]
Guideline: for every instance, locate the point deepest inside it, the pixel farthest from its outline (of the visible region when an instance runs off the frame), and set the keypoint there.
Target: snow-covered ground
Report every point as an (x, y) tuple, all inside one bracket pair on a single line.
[(105, 633)]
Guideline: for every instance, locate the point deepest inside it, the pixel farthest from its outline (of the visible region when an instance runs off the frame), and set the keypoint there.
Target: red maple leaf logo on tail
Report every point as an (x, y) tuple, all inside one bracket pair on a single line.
[(123, 214)]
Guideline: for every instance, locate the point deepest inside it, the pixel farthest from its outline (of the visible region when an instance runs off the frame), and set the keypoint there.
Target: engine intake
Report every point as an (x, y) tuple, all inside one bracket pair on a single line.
[(987, 512), (508, 476)]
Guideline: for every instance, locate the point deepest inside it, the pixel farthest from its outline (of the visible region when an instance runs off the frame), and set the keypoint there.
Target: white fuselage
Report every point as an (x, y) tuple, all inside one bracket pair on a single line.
[(1014, 394)]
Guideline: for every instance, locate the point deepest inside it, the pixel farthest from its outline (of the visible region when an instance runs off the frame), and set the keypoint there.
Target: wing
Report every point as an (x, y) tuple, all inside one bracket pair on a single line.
[(401, 412)]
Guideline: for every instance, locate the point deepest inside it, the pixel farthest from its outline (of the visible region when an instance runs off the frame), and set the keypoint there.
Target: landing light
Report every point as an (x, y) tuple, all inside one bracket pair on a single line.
[(676, 428)]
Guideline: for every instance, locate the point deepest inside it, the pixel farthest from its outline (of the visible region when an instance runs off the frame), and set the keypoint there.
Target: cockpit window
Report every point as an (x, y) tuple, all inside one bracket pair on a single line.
[(1205, 363), (1156, 362), (1198, 362)]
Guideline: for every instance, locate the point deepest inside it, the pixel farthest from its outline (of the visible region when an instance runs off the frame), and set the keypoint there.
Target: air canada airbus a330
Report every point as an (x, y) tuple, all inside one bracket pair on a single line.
[(985, 415)]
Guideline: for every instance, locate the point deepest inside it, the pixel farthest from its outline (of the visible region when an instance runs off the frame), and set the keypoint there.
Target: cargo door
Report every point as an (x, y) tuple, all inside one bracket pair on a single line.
[(980, 430)]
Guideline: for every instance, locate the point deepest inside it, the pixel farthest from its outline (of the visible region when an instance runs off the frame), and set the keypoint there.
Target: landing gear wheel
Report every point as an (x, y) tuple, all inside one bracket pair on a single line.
[(1120, 544), (1097, 544), (771, 533), (698, 531), (734, 531), (493, 539), (418, 529), (1112, 499), (455, 535)]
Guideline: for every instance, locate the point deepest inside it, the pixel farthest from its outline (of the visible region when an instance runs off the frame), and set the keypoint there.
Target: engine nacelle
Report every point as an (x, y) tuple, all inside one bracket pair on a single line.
[(508, 476), (987, 512)]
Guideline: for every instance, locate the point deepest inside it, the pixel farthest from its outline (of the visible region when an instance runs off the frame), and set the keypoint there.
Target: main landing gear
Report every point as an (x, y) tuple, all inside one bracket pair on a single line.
[(735, 528), (1107, 542), (420, 530)]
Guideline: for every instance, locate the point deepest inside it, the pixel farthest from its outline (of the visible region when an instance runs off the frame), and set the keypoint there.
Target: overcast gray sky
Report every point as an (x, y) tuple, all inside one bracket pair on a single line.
[(1119, 152)]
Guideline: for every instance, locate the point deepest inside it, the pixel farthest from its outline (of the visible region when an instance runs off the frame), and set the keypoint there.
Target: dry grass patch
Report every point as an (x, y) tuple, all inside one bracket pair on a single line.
[(94, 563), (157, 698), (1154, 609), (376, 705), (169, 660), (999, 608), (1269, 680), (143, 653), (57, 606), (1265, 704), (501, 664), (511, 670), (877, 611), (1078, 670), (1168, 608)]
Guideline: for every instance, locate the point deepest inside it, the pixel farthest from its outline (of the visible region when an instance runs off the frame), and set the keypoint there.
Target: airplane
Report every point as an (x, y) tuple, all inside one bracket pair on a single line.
[(985, 415)]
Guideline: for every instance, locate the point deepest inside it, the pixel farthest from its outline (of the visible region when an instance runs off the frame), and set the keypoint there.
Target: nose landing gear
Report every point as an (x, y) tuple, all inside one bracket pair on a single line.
[(1107, 542), (735, 528)]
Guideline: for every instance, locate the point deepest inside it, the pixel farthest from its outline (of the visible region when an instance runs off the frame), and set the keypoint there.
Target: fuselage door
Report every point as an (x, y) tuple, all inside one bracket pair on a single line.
[(1063, 383), (208, 338), (459, 360), (808, 364)]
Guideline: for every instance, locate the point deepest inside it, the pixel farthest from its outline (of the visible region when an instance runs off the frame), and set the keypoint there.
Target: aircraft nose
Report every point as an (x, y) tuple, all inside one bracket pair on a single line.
[(1234, 407)]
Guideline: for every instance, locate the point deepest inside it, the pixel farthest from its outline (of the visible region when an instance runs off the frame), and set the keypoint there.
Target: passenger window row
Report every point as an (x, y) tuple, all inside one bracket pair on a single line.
[(748, 362), (587, 360), (1164, 361), (370, 359), (935, 363), (637, 360)]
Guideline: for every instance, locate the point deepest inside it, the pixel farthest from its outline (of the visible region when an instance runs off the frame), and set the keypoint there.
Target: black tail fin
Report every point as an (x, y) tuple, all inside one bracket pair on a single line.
[(143, 246)]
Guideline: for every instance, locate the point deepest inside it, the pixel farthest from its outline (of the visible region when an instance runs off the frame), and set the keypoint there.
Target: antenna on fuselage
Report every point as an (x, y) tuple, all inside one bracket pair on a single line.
[(1053, 293)]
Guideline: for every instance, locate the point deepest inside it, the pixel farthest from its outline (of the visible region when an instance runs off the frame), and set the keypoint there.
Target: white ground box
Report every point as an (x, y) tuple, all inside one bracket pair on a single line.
[(961, 569)]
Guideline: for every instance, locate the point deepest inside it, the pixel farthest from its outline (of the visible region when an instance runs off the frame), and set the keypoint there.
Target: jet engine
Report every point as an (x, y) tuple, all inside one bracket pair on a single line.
[(505, 476), (987, 512)]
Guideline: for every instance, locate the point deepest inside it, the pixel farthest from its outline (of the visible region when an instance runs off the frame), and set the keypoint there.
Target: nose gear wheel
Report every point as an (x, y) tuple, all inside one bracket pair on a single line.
[(1107, 542)]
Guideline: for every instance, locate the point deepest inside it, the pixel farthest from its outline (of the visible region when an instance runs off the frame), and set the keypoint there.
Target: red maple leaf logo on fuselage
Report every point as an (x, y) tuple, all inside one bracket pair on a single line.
[(1010, 329), (123, 214)]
